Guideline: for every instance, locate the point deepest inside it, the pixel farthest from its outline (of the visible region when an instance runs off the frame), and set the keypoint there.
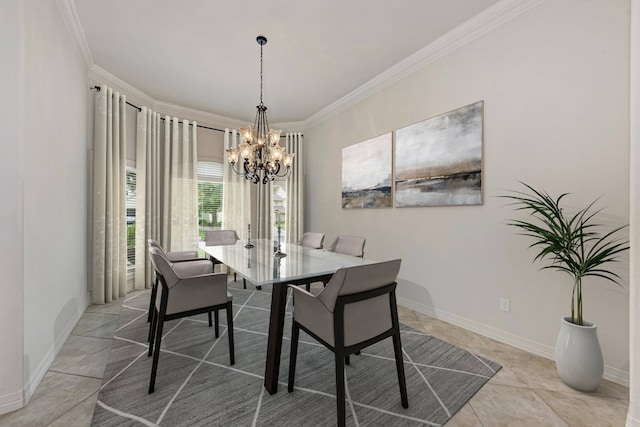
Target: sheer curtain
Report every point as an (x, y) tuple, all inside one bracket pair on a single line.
[(148, 192), (264, 209), (294, 220), (109, 275), (180, 205), (236, 190), (166, 188)]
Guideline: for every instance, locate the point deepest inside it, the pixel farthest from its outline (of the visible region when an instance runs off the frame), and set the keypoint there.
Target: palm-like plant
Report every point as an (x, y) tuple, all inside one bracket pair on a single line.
[(572, 244)]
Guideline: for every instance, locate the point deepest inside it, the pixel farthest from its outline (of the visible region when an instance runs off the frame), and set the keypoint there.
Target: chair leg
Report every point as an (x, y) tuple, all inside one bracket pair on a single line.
[(151, 325), (235, 276), (347, 361), (295, 332), (244, 283), (217, 323), (397, 349), (152, 300), (152, 331), (308, 286), (340, 359), (232, 350), (156, 353)]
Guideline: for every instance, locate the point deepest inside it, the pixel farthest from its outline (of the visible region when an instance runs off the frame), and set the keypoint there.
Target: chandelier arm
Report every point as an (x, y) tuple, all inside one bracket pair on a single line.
[(286, 172), (235, 169)]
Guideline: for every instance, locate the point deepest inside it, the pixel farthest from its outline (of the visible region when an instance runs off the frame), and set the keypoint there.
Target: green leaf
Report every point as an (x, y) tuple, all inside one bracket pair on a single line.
[(574, 245)]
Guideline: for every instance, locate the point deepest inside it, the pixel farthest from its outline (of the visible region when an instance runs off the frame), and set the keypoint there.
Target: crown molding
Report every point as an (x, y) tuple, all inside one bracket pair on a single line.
[(99, 75), (289, 126), (202, 117), (471, 29), (134, 95), (69, 15)]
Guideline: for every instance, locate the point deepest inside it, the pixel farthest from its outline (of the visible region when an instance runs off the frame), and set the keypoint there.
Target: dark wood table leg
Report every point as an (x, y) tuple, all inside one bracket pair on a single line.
[(274, 343), (276, 327)]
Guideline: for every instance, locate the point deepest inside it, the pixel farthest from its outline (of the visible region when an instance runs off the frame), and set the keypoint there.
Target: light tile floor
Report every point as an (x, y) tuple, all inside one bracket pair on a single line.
[(526, 392)]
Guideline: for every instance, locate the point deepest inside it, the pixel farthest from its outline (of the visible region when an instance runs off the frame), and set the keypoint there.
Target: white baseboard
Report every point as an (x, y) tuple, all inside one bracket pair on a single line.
[(12, 401), (38, 374), (610, 373)]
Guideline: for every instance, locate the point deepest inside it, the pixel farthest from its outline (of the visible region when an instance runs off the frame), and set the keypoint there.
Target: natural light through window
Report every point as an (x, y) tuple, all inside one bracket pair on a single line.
[(210, 175)]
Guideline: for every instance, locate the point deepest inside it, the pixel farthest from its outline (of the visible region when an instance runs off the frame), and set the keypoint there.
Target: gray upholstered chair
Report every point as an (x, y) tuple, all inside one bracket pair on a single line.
[(356, 309), (181, 296), (172, 257), (184, 269), (178, 256), (348, 245), (223, 237), (312, 240)]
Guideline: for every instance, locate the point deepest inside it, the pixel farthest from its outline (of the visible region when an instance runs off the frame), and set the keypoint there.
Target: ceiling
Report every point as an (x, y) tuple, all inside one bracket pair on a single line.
[(203, 54)]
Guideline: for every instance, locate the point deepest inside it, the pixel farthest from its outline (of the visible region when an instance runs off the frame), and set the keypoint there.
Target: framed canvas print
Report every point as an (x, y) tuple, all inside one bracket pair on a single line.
[(439, 160), (366, 173)]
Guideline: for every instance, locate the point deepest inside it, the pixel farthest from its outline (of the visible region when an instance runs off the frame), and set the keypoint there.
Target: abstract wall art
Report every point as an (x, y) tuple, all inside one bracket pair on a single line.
[(439, 160), (366, 173)]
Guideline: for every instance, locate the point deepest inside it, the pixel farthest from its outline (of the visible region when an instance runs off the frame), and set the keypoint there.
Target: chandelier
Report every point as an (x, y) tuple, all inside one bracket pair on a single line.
[(263, 157)]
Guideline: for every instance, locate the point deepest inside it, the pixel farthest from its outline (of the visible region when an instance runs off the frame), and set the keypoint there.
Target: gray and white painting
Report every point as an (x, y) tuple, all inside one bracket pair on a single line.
[(366, 173), (439, 160)]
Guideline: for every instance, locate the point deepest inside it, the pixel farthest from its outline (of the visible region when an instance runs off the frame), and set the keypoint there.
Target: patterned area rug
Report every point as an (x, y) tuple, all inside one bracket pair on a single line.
[(196, 386)]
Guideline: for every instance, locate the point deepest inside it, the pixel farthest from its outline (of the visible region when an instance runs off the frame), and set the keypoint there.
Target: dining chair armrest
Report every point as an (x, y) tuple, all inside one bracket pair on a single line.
[(310, 312), (193, 268), (305, 298), (183, 256), (191, 260)]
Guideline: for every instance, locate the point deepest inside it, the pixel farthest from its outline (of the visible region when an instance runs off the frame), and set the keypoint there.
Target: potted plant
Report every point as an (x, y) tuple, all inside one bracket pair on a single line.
[(573, 244)]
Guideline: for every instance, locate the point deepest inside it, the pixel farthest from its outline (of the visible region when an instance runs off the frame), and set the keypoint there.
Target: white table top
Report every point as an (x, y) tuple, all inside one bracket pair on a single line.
[(259, 265)]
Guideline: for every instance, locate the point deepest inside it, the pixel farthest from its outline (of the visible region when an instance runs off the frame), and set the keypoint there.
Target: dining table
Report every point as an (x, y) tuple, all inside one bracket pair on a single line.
[(262, 265)]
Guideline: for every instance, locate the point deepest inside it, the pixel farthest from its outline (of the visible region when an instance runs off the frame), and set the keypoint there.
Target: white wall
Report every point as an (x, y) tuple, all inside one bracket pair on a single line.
[(11, 218), (555, 85), (633, 416), (55, 188)]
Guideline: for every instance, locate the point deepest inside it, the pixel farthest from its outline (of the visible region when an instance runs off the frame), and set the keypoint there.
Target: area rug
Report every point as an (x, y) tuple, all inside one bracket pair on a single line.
[(195, 385)]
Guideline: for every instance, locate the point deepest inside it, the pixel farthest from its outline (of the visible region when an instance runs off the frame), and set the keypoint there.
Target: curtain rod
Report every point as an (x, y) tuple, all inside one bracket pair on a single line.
[(97, 88)]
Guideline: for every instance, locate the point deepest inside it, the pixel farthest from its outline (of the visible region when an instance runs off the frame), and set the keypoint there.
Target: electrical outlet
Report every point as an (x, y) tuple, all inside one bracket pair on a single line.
[(505, 304)]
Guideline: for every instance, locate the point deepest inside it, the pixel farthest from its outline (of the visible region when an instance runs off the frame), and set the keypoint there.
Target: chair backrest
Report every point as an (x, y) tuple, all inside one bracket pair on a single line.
[(312, 240), (151, 242), (161, 252), (162, 265), (348, 245), (352, 280), (362, 300), (221, 237)]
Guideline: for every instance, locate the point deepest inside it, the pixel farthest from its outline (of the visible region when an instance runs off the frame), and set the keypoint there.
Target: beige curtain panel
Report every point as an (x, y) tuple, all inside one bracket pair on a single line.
[(181, 171), (166, 188), (109, 275), (264, 210), (148, 193), (294, 220), (236, 190)]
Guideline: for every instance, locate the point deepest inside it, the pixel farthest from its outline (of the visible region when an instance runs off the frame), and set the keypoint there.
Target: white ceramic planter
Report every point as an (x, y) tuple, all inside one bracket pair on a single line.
[(578, 355)]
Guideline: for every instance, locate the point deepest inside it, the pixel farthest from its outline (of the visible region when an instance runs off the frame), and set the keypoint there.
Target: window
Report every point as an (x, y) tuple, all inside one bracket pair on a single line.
[(131, 217), (210, 176)]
